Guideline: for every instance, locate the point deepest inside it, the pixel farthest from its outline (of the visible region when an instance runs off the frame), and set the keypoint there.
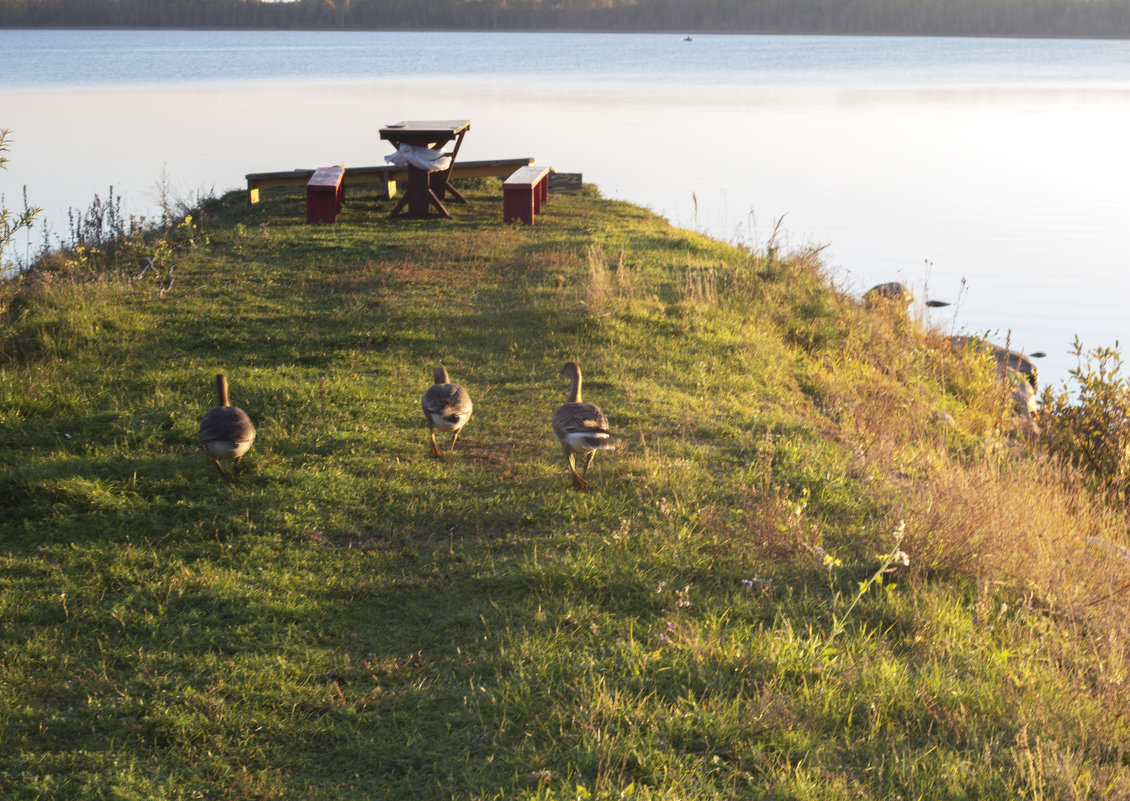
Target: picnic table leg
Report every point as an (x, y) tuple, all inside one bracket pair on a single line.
[(399, 207), (417, 196), (443, 183), (418, 192), (438, 204), (420, 197)]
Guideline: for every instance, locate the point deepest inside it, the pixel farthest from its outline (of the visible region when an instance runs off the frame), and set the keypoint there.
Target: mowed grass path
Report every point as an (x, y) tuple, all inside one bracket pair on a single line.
[(350, 619)]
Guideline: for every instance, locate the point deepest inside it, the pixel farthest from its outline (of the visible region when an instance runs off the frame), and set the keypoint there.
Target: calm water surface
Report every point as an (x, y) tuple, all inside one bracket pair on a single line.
[(990, 172)]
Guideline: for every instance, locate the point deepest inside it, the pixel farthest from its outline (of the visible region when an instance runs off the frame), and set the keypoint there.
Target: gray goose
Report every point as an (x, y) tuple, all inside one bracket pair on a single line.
[(580, 427), (227, 431), (447, 407)]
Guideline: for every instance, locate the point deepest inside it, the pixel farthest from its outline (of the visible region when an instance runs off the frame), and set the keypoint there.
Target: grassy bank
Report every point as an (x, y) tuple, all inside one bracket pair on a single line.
[(725, 615)]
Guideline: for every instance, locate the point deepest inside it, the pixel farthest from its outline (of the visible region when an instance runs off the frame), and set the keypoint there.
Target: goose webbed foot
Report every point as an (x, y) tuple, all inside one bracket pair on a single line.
[(579, 482)]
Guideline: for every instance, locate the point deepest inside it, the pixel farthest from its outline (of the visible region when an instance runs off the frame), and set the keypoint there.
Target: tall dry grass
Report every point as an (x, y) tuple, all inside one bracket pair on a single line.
[(599, 287), (979, 502)]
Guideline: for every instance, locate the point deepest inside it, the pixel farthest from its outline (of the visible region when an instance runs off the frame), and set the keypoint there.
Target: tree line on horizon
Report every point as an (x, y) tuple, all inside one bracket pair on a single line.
[(1061, 18)]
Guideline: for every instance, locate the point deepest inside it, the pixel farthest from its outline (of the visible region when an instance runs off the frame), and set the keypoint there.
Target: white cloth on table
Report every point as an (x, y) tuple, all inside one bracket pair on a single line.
[(423, 158)]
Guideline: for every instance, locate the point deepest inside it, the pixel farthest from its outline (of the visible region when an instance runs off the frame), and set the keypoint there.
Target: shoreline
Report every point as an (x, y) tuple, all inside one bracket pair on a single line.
[(598, 31)]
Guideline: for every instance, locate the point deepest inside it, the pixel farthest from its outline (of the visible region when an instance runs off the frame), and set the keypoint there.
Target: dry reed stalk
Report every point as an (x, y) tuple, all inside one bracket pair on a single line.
[(598, 286), (624, 281)]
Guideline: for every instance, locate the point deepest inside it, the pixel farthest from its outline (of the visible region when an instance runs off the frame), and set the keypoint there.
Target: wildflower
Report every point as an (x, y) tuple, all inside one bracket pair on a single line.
[(748, 583), (663, 639), (826, 559), (670, 625), (898, 557)]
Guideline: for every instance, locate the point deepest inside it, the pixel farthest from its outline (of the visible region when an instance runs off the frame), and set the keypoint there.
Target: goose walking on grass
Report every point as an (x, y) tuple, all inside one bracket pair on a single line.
[(447, 407), (580, 427), (227, 431)]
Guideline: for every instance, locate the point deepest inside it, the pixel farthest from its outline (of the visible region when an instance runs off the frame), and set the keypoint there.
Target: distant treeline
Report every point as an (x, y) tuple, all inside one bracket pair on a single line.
[(1075, 18)]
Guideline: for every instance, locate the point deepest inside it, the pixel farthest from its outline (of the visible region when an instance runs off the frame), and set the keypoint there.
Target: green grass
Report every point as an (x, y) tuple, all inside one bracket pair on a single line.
[(350, 619)]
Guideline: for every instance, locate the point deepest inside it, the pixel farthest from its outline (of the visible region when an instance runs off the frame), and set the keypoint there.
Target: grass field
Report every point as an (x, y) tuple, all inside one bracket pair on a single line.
[(725, 615)]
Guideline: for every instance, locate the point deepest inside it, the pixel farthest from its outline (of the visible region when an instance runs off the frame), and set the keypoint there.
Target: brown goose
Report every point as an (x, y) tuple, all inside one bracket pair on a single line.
[(447, 407), (580, 427), (227, 431)]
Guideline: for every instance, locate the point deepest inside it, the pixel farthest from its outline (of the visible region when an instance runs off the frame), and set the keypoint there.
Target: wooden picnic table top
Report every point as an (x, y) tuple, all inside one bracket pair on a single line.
[(421, 129)]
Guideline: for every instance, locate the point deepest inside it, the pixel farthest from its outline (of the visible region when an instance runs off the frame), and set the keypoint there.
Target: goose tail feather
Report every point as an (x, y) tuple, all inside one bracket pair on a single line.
[(591, 441)]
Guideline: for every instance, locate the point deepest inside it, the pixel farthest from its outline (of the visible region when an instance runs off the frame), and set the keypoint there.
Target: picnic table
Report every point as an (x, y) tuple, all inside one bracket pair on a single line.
[(427, 190)]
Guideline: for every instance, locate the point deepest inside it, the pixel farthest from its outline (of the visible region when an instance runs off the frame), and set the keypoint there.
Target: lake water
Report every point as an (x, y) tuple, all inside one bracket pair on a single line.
[(993, 173)]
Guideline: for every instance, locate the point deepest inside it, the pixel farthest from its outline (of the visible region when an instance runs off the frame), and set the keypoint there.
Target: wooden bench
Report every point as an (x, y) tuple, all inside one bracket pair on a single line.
[(384, 175), (524, 192), (325, 194)]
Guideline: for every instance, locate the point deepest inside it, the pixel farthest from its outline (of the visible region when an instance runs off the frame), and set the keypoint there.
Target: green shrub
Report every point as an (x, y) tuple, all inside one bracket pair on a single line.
[(11, 223), (1087, 421)]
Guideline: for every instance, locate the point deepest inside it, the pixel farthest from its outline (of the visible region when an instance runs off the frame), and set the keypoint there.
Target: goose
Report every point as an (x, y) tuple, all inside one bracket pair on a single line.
[(447, 407), (580, 427), (1004, 357), (227, 431)]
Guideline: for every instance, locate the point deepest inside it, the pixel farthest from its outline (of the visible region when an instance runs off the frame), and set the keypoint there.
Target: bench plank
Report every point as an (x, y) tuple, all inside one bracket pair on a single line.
[(385, 174), (527, 176), (524, 192)]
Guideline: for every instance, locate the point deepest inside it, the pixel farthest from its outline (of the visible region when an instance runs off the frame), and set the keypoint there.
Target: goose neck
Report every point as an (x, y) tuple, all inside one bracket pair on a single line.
[(575, 388), (222, 390)]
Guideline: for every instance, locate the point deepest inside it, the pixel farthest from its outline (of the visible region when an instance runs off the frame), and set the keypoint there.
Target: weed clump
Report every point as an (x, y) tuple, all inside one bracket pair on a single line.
[(49, 306), (1087, 420), (12, 222)]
